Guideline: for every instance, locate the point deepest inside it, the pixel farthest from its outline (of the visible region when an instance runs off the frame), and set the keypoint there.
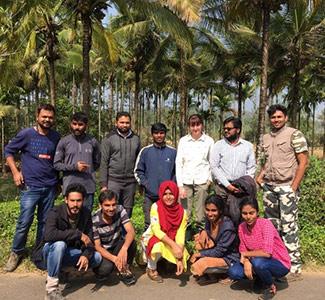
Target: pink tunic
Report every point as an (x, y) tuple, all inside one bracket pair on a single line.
[(264, 237)]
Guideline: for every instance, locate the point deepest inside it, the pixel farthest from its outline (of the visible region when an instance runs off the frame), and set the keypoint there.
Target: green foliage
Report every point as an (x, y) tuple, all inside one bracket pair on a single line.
[(312, 212)]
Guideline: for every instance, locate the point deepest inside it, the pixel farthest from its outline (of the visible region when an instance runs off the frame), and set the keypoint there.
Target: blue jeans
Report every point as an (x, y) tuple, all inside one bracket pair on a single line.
[(89, 202), (30, 197), (263, 268), (58, 254)]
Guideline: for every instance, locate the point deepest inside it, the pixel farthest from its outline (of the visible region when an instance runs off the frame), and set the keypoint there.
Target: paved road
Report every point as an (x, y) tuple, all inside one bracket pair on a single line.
[(30, 286)]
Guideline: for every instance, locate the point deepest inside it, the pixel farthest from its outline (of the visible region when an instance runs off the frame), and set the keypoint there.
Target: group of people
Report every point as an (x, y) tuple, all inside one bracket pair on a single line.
[(230, 236)]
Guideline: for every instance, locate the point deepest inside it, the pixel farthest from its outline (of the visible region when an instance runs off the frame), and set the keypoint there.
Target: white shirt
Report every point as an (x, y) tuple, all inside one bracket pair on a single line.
[(229, 162), (192, 160)]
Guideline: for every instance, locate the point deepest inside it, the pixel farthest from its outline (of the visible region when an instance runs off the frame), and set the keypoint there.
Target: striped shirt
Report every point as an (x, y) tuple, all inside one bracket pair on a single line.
[(264, 237), (230, 162), (109, 234), (192, 160)]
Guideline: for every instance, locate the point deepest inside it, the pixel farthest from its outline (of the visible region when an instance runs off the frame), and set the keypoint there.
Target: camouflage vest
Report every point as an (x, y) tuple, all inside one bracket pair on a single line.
[(281, 162)]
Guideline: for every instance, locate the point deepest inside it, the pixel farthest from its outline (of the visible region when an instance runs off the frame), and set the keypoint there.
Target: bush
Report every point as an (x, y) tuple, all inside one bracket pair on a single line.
[(312, 212)]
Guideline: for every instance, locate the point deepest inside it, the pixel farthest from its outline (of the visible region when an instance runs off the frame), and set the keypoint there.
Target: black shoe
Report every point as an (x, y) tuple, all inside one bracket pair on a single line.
[(216, 270), (127, 277), (206, 279), (268, 294)]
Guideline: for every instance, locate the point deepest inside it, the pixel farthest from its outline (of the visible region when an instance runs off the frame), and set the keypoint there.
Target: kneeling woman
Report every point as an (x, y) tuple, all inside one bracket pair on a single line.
[(165, 237), (216, 245), (263, 253)]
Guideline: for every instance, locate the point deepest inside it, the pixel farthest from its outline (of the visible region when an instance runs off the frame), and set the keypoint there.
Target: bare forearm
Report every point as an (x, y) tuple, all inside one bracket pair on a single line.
[(12, 164), (256, 253)]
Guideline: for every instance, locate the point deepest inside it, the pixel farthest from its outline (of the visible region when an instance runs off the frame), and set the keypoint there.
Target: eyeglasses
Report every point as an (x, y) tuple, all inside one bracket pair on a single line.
[(228, 128)]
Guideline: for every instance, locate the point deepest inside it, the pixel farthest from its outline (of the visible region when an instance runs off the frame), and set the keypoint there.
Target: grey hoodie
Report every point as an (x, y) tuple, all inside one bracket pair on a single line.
[(69, 151), (119, 154)]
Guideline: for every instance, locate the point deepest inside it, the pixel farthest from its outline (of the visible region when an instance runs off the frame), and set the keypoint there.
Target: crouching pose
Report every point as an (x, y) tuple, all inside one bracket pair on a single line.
[(263, 253), (68, 236), (165, 237), (117, 249), (216, 245)]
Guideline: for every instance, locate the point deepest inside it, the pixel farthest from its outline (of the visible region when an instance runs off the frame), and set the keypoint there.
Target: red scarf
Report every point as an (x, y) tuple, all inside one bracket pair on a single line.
[(170, 216)]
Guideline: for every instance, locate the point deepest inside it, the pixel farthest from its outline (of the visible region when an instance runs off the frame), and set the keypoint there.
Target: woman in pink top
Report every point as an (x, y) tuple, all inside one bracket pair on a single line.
[(263, 254)]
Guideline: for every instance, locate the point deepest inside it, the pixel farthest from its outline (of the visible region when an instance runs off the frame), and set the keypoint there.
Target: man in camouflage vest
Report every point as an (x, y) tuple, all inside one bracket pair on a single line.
[(286, 160)]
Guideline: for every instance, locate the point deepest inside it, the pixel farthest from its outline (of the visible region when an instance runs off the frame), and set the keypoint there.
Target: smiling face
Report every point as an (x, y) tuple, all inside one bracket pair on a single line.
[(74, 202), (278, 120), (249, 214), (159, 137), (45, 119), (109, 207), (168, 197), (212, 212)]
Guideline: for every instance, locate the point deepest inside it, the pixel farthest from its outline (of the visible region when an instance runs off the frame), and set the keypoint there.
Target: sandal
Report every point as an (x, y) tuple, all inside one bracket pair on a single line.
[(154, 275)]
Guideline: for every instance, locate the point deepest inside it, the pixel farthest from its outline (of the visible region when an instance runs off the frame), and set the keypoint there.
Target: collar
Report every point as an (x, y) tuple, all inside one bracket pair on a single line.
[(275, 133), (159, 146), (201, 138), (240, 141), (122, 135)]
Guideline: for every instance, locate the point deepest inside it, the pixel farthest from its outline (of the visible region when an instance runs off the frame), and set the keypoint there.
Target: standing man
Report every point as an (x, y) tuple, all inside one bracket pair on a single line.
[(37, 178), (78, 156), (155, 164), (68, 236), (119, 152), (286, 154), (193, 173), (232, 158)]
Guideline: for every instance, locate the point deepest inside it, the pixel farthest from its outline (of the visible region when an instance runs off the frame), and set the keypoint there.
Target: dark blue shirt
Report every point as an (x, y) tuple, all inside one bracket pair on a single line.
[(37, 153)]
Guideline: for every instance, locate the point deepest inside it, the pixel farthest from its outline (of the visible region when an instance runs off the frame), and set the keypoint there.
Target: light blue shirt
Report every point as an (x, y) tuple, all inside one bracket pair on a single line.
[(232, 161)]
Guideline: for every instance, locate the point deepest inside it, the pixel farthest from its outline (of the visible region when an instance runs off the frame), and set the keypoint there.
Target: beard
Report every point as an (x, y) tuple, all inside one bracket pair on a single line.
[(232, 138), (45, 125)]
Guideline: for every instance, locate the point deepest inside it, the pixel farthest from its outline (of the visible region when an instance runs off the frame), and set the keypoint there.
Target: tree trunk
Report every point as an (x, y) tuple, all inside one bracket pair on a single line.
[(74, 92), (136, 100), (100, 95), (86, 46), (313, 130), (52, 82), (183, 96), (111, 102), (240, 98), (263, 88), (295, 96), (3, 146)]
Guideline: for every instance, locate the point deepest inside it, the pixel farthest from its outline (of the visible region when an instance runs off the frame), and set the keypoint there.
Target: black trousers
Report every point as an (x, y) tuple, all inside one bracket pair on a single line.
[(106, 267)]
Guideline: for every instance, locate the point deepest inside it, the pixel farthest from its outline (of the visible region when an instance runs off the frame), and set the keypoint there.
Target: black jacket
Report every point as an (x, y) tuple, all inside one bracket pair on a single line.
[(58, 228)]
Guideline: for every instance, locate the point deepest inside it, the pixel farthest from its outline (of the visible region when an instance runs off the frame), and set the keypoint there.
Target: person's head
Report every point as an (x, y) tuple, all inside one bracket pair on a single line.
[(123, 122), (214, 208), (78, 124), (74, 198), (45, 116), (278, 116), (168, 193), (232, 128), (195, 125), (108, 203), (249, 210), (158, 132)]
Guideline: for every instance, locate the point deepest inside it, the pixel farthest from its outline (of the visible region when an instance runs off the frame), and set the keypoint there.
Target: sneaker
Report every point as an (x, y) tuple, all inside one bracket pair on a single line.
[(13, 262), (268, 293), (206, 279), (154, 275), (291, 277), (54, 295), (127, 277)]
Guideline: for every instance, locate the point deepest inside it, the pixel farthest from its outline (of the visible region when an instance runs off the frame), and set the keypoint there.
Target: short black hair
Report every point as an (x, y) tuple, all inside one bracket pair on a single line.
[(122, 114), (273, 108), (107, 195), (248, 201), (75, 188), (217, 201), (46, 106), (157, 127), (235, 121), (80, 117), (194, 119)]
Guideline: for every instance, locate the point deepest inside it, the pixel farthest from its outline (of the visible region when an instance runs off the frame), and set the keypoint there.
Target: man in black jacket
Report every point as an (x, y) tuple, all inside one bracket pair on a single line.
[(119, 152), (68, 236)]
